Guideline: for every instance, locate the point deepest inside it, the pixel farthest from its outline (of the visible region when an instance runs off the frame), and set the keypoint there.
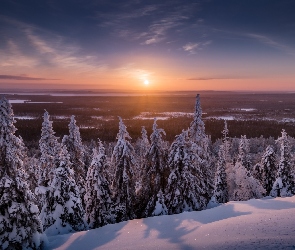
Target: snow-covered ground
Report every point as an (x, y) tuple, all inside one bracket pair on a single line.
[(255, 224)]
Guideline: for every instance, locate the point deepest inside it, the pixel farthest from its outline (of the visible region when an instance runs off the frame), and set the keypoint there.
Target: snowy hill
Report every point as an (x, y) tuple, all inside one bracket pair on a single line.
[(255, 224)]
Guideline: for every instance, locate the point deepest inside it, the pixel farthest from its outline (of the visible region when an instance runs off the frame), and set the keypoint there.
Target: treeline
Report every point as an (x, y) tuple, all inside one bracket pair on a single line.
[(68, 186)]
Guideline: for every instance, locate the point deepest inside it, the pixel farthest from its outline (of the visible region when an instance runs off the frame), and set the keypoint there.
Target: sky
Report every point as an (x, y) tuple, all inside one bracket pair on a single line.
[(175, 45)]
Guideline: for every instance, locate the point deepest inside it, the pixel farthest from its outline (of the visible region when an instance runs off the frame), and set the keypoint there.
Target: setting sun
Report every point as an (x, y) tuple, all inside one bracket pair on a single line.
[(146, 82)]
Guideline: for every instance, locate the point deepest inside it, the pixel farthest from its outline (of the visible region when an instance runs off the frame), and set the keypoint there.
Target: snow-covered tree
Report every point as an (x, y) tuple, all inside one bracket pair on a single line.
[(143, 146), (62, 211), (155, 170), (220, 193), (185, 190), (269, 169), (48, 145), (160, 208), (284, 184), (257, 172), (226, 142), (244, 149), (123, 184), (75, 148), (33, 173), (245, 185), (20, 226), (97, 197), (200, 144)]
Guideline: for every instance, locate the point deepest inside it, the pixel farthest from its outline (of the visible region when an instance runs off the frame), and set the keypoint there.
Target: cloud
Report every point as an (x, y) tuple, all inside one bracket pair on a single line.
[(13, 77), (266, 40), (149, 24), (12, 56), (216, 78), (158, 30), (193, 47), (272, 43), (61, 54), (31, 47)]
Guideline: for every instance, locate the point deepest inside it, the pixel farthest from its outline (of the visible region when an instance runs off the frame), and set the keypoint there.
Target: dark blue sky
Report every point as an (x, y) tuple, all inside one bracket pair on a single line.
[(231, 44)]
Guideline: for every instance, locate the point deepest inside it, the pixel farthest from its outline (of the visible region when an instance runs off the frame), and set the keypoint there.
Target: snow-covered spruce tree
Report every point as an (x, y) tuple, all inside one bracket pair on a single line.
[(160, 208), (155, 171), (20, 226), (75, 148), (32, 169), (143, 146), (245, 186), (97, 198), (200, 145), (226, 142), (220, 193), (257, 172), (185, 190), (244, 150), (123, 185), (269, 168), (62, 211), (141, 149), (47, 144), (284, 184)]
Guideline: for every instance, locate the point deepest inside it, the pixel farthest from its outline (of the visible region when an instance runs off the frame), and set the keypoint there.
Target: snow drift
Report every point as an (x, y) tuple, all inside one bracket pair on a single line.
[(266, 223)]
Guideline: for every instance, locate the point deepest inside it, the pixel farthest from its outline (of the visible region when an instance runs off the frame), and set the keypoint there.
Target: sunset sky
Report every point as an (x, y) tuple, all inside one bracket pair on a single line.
[(148, 45)]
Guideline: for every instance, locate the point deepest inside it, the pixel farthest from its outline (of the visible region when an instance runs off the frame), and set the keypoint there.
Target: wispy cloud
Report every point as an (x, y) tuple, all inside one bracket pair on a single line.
[(12, 56), (63, 55), (272, 43), (33, 47), (193, 47), (217, 78), (148, 24), (261, 38), (13, 77), (158, 30)]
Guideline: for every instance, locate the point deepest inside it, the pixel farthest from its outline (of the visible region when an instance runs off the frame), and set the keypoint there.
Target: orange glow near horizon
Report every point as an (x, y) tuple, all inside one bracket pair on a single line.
[(145, 73)]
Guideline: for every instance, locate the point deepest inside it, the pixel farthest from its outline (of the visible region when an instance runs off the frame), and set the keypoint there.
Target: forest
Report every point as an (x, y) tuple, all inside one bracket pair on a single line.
[(66, 186)]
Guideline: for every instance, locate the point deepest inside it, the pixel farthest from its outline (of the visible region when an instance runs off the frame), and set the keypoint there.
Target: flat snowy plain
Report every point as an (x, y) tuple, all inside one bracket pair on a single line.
[(266, 223)]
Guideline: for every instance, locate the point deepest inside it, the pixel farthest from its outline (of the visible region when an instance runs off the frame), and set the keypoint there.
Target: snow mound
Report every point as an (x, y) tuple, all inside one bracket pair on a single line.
[(266, 223)]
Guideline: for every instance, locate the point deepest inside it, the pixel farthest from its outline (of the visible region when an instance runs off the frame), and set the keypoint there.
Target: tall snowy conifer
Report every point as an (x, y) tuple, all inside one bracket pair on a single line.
[(143, 149), (269, 169), (62, 210), (200, 145), (155, 171), (225, 142), (220, 193), (75, 148), (97, 197), (244, 149), (20, 226), (123, 184), (185, 189), (47, 144), (245, 185), (284, 184)]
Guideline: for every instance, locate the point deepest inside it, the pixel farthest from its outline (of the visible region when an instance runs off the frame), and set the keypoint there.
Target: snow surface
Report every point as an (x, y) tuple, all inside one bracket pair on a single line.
[(161, 116), (18, 101), (248, 109), (227, 118), (25, 117), (266, 223)]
